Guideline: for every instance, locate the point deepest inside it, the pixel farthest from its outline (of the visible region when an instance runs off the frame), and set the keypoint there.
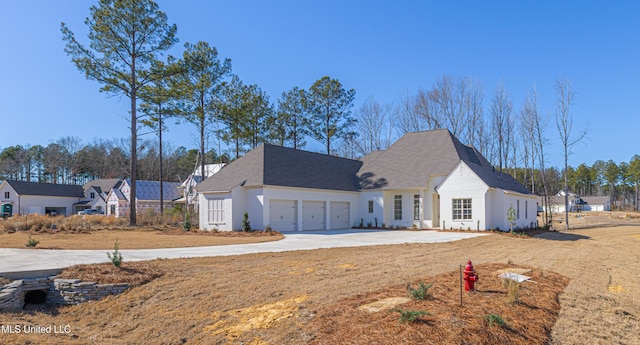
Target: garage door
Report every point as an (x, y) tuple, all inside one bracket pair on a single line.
[(282, 215), (313, 215), (339, 215)]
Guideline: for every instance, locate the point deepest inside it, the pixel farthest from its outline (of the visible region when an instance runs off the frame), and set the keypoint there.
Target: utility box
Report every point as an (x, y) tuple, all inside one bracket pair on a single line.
[(6, 210)]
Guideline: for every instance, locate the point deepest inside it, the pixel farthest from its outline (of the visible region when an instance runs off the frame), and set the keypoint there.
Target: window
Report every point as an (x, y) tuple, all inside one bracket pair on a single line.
[(526, 209), (397, 207), (416, 207), (7, 195), (93, 195), (462, 209), (518, 209), (370, 206), (216, 211)]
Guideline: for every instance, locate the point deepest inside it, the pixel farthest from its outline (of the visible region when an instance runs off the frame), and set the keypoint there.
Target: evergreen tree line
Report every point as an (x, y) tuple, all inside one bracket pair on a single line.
[(69, 161)]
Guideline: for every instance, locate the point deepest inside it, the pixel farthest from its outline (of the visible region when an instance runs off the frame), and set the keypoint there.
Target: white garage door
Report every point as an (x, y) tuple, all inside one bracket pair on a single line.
[(313, 215), (339, 215), (283, 215)]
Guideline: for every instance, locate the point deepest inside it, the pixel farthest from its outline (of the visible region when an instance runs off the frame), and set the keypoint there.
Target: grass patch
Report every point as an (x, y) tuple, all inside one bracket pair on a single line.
[(132, 273)]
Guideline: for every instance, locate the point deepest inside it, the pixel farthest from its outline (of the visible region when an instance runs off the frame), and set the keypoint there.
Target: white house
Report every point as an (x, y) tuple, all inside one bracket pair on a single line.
[(95, 195), (597, 203), (40, 198), (425, 180), (187, 187), (147, 197), (577, 203)]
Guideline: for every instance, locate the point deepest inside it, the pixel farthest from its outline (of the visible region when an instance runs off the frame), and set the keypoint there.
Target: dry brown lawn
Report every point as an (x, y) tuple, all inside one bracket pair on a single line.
[(279, 298), (139, 238)]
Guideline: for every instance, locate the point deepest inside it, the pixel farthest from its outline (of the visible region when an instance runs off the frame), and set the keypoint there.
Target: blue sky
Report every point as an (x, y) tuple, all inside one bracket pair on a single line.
[(382, 49)]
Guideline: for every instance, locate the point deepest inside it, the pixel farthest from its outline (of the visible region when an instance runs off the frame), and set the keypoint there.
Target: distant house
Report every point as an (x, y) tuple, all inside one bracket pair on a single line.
[(147, 197), (426, 179), (597, 203), (95, 195), (187, 188), (40, 198), (576, 203)]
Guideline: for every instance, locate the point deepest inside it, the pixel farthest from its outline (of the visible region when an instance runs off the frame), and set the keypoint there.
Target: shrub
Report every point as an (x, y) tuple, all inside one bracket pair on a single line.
[(246, 226), (410, 315), (268, 229), (495, 320), (513, 290), (116, 257), (512, 217), (421, 293), (32, 242)]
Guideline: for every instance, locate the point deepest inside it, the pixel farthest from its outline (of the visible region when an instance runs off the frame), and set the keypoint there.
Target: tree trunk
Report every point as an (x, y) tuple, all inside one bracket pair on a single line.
[(202, 147), (160, 149), (134, 146)]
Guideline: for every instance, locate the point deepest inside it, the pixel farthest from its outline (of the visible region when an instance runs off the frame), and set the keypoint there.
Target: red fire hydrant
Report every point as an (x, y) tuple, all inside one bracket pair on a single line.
[(470, 277)]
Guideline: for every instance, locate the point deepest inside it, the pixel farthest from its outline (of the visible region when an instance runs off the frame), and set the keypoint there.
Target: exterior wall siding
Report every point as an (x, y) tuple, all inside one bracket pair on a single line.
[(205, 224), (463, 183), (363, 209)]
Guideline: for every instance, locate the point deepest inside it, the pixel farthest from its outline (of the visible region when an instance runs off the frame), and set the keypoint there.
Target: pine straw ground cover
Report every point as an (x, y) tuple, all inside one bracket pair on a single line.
[(132, 273), (528, 321)]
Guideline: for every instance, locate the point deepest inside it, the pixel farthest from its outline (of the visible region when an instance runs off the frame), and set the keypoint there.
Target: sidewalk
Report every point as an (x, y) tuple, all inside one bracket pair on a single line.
[(19, 260)]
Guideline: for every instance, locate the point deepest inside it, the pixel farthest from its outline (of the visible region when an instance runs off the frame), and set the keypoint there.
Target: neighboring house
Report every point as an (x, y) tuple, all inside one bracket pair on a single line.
[(576, 203), (147, 197), (597, 203), (95, 195), (426, 179), (187, 188), (40, 198)]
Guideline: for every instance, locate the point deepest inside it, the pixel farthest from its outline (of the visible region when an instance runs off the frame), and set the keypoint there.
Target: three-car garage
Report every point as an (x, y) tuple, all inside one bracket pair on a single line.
[(314, 215)]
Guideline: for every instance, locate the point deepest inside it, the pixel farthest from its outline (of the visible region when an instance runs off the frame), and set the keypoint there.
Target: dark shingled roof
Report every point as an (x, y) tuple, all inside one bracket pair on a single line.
[(280, 166), (46, 189), (417, 156), (495, 179), (407, 164)]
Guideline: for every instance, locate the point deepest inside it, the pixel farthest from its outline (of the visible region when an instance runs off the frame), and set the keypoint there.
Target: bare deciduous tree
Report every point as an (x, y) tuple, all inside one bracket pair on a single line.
[(374, 127), (502, 122), (564, 122)]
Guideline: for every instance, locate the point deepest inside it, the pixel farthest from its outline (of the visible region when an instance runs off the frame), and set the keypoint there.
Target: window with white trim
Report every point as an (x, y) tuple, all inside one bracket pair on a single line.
[(416, 207), (7, 195), (518, 208), (216, 211), (370, 206), (462, 209), (397, 207)]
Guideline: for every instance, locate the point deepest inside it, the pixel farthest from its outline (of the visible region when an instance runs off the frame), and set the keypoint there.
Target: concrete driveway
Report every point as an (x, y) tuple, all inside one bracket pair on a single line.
[(20, 260)]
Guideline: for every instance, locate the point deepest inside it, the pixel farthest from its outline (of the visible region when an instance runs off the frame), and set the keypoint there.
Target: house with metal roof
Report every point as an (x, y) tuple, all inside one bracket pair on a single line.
[(147, 197), (40, 198), (425, 180)]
